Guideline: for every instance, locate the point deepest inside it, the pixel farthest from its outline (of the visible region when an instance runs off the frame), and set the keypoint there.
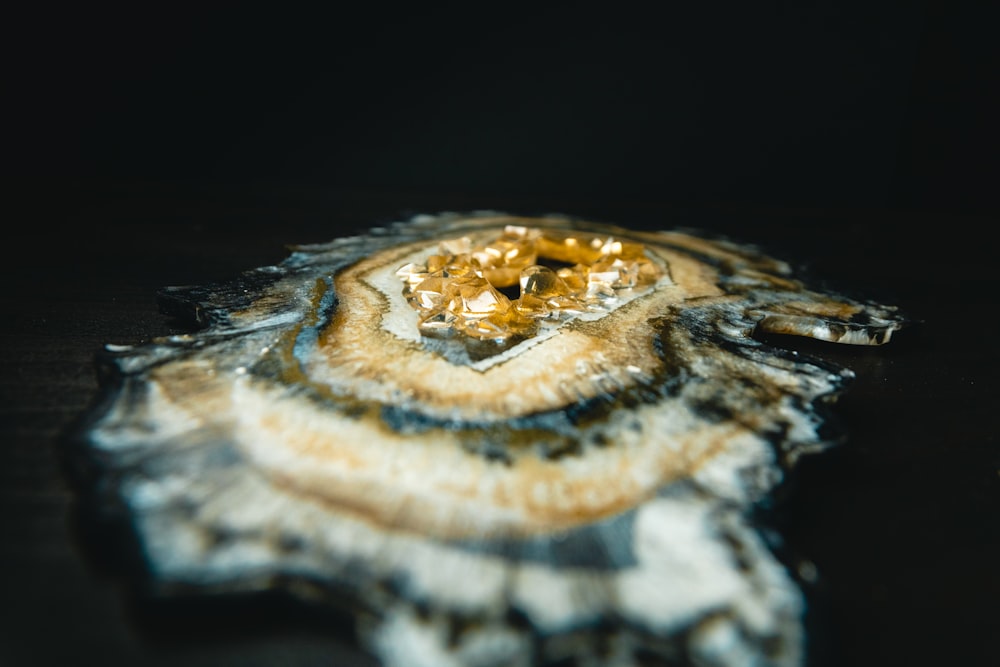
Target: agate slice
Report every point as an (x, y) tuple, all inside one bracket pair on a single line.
[(496, 440)]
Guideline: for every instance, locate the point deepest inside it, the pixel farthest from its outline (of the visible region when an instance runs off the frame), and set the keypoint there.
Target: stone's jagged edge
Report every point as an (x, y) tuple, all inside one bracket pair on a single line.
[(681, 577), (210, 306)]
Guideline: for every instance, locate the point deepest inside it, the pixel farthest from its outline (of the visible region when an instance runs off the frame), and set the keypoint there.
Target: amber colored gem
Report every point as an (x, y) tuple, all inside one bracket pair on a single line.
[(542, 282), (457, 289)]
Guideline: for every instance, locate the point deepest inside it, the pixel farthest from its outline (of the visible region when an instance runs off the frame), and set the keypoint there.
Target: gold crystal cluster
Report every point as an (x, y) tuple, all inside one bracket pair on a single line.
[(558, 273)]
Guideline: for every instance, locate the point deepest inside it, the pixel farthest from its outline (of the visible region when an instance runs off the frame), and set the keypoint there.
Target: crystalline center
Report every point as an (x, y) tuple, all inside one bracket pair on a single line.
[(458, 290)]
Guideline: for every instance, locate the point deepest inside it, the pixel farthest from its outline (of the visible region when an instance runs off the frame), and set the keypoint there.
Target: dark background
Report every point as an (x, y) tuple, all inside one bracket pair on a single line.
[(819, 104), (180, 145)]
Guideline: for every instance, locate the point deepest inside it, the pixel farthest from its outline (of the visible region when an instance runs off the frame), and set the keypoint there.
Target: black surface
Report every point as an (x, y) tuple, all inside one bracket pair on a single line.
[(820, 103), (181, 148)]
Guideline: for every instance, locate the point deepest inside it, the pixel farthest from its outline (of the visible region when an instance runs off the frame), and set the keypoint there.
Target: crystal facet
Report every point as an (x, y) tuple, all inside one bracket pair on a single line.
[(457, 288)]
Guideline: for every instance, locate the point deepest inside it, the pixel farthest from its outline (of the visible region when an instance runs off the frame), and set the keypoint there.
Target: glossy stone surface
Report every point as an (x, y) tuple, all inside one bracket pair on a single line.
[(581, 493)]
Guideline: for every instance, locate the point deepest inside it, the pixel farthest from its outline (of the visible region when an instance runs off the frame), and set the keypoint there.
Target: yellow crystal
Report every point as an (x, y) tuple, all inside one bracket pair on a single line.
[(458, 288), (461, 246), (543, 282), (472, 296)]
